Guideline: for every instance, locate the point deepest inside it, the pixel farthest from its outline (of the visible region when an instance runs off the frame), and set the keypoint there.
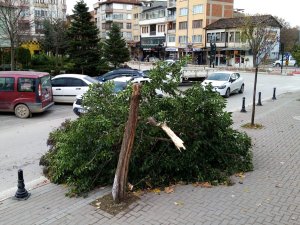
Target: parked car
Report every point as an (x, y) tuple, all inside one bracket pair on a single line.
[(24, 92), (120, 84), (120, 73), (287, 61), (225, 82), (66, 87)]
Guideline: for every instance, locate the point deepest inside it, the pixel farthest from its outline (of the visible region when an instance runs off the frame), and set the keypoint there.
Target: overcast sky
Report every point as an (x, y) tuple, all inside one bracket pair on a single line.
[(286, 9)]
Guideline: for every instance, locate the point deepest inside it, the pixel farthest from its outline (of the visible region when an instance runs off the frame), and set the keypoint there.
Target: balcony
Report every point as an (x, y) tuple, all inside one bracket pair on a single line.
[(173, 31), (171, 18), (40, 5)]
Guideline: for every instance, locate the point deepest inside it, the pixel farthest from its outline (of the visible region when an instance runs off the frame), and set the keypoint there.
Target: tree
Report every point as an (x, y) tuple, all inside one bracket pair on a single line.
[(83, 40), (54, 40), (14, 24), (84, 153), (289, 36), (262, 36), (296, 54), (115, 50)]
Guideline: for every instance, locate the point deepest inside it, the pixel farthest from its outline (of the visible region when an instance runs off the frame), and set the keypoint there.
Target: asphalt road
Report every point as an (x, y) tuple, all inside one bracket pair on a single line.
[(23, 141)]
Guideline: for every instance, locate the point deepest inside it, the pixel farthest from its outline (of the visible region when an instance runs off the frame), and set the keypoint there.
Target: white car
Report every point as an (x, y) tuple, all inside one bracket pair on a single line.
[(120, 84), (65, 87), (225, 82)]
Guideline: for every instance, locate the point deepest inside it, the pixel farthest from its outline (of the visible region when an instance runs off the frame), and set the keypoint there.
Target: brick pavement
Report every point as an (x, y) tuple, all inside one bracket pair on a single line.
[(269, 195)]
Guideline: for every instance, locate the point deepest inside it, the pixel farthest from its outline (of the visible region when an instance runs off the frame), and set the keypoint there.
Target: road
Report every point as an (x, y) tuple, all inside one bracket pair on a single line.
[(23, 141)]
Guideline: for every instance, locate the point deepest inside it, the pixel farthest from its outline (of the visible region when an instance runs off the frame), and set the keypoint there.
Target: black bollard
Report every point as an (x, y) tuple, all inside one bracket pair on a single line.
[(243, 106), (274, 94), (21, 193), (259, 99)]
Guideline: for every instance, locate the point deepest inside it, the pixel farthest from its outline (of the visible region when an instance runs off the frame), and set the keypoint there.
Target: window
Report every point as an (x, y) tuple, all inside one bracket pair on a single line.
[(183, 11), (59, 82), (237, 37), (182, 25), (223, 37), (218, 37), (120, 25), (7, 84), (117, 16), (26, 85), (197, 38), (129, 17), (197, 23), (73, 82), (231, 37), (171, 38), (136, 16), (129, 7), (128, 25), (197, 9), (161, 28), (182, 39), (144, 30)]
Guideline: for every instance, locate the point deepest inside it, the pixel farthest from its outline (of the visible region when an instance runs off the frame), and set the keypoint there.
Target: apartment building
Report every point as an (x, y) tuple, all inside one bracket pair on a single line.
[(153, 29), (191, 17), (32, 15), (231, 50), (115, 11)]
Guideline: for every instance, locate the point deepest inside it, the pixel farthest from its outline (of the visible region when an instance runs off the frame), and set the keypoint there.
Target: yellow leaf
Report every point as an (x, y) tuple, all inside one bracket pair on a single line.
[(156, 190)]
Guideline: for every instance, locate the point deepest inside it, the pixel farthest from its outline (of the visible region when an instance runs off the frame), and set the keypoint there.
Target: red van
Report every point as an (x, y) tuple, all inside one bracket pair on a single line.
[(25, 92)]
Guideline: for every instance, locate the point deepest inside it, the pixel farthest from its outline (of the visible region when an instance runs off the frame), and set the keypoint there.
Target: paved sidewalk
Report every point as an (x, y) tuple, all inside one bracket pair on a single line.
[(269, 195)]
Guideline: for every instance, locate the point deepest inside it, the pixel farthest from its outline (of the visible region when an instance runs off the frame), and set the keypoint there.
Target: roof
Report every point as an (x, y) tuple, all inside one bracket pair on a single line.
[(238, 22), (131, 2), (23, 73), (70, 75)]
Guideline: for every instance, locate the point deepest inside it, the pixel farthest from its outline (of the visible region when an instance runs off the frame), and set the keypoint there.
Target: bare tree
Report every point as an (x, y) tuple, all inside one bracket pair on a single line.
[(262, 34), (14, 23)]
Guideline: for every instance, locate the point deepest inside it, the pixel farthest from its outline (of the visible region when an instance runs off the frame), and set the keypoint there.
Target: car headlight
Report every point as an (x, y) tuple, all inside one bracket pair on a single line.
[(222, 86)]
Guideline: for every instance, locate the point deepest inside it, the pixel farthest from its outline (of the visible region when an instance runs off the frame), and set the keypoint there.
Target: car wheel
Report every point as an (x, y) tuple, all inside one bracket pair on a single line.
[(242, 89), (227, 94), (22, 111), (277, 65)]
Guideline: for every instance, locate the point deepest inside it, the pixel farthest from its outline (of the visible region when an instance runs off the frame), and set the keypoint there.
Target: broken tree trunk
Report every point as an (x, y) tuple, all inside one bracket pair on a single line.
[(176, 140), (120, 180)]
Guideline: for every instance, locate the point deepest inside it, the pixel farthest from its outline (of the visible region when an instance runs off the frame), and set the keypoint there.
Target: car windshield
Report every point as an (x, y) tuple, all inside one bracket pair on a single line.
[(219, 76), (119, 86)]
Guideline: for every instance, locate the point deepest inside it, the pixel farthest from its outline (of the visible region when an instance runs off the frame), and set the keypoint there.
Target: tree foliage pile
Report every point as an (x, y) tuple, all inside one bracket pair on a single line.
[(84, 153)]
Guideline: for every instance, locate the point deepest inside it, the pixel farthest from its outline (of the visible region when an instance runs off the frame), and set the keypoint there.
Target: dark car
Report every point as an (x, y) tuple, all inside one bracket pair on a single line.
[(120, 73)]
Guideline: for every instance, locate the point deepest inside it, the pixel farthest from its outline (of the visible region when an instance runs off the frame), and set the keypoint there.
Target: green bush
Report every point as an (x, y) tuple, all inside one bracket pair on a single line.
[(84, 153)]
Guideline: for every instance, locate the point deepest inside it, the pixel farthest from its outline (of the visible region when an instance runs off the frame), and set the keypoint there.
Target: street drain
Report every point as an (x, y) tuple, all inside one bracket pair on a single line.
[(297, 117)]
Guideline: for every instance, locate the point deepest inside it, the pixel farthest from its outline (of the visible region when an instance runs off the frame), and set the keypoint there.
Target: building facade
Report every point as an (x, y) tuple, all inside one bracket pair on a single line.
[(231, 50), (191, 18), (32, 13), (115, 11)]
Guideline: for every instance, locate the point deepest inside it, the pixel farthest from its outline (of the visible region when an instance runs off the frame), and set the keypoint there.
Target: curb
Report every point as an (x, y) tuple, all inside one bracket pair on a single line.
[(41, 181)]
